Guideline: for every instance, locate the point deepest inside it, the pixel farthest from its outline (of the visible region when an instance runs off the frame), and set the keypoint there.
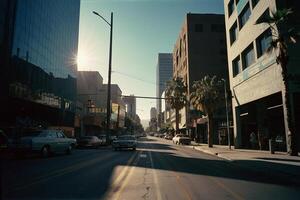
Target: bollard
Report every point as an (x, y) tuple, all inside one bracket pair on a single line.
[(271, 146)]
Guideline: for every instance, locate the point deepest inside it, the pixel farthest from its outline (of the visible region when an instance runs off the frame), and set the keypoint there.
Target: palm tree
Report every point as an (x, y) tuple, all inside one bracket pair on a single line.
[(207, 97), (281, 37), (176, 96)]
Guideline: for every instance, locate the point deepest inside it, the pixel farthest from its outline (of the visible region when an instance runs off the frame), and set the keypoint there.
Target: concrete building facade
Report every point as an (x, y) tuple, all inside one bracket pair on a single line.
[(130, 103), (164, 72), (153, 113), (255, 76), (199, 50)]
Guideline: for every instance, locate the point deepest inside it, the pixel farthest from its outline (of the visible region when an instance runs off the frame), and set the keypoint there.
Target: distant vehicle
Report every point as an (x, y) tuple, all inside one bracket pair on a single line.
[(102, 138), (181, 139), (125, 141), (44, 142), (89, 141), (151, 134), (168, 137)]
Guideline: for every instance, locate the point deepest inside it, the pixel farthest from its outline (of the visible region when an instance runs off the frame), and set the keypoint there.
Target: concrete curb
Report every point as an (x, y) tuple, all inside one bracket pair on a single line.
[(211, 153)]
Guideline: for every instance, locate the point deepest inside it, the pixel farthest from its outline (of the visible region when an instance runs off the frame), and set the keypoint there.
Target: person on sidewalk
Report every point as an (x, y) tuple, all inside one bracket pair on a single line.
[(253, 140)]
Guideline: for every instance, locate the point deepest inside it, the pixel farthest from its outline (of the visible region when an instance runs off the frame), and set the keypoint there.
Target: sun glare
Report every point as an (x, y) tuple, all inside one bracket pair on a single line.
[(82, 59)]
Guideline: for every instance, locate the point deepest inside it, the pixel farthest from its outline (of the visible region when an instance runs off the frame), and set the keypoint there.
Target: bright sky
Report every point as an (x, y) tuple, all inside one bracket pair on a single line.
[(141, 30)]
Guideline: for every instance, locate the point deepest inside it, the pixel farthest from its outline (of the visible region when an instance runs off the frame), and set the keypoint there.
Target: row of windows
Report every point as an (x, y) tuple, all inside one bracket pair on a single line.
[(242, 18), (218, 28), (247, 58), (232, 5)]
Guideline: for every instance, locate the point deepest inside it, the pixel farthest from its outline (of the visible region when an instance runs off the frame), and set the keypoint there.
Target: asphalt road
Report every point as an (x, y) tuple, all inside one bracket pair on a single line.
[(156, 170)]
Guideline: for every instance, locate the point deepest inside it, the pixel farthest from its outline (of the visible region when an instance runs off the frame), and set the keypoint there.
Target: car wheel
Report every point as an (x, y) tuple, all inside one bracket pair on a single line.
[(45, 152), (69, 150)]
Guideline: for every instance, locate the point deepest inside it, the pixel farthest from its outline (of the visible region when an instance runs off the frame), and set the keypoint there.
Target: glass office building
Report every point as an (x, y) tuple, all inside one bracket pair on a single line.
[(41, 72)]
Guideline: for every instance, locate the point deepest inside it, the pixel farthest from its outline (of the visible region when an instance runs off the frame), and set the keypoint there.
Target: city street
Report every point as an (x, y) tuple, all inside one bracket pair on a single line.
[(156, 170)]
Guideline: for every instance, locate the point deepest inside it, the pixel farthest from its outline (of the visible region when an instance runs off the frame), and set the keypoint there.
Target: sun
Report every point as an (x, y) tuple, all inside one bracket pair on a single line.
[(82, 59)]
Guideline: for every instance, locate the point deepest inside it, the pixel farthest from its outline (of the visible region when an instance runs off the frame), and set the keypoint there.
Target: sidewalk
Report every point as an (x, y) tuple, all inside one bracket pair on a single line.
[(244, 154)]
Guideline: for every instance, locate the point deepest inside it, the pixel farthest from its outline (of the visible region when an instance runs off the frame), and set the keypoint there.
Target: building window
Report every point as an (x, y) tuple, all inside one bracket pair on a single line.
[(217, 28), (230, 7), (248, 56), (233, 33), (198, 27), (254, 2), (236, 66), (264, 16), (244, 16), (263, 42)]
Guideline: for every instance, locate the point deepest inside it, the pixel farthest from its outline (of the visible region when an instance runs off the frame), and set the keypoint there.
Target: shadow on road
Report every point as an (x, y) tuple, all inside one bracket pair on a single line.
[(91, 178), (279, 159)]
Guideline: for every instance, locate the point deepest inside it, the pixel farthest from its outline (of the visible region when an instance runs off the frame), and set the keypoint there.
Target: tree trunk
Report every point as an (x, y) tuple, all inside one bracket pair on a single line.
[(291, 143), (210, 130), (177, 121)]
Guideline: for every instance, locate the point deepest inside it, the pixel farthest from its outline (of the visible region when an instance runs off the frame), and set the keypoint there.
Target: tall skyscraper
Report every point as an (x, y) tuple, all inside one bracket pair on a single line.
[(39, 41), (164, 71)]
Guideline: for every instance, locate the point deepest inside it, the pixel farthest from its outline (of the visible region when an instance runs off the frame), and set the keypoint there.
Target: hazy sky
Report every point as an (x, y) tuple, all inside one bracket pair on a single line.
[(142, 29)]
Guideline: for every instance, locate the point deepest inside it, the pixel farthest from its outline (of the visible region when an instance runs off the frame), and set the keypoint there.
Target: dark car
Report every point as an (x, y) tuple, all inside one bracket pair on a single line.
[(125, 141), (102, 138), (89, 141)]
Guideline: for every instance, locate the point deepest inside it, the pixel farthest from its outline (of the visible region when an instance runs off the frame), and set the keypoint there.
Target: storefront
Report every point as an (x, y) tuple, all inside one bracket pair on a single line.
[(262, 120)]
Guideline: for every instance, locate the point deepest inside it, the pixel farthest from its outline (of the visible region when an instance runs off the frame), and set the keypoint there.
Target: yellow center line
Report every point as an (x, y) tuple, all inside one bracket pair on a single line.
[(158, 193), (123, 172), (127, 178)]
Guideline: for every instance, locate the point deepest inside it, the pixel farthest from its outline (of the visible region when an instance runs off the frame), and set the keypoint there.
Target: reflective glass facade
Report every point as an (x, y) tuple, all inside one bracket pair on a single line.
[(44, 50), (41, 72)]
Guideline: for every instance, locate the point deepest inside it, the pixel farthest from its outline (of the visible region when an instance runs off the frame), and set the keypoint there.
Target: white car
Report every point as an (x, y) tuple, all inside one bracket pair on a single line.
[(181, 139)]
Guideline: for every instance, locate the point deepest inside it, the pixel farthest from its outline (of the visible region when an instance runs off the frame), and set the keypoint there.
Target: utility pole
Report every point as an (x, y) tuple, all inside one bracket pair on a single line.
[(108, 105)]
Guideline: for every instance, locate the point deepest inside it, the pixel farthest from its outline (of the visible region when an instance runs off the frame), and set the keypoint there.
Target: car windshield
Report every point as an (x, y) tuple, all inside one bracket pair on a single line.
[(126, 137), (32, 133)]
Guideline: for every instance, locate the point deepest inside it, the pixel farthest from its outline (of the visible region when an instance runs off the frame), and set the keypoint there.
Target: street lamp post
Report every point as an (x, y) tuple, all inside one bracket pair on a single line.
[(108, 107), (227, 120)]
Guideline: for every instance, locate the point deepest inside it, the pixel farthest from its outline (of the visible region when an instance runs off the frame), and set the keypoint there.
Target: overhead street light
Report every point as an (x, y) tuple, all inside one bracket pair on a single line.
[(108, 110)]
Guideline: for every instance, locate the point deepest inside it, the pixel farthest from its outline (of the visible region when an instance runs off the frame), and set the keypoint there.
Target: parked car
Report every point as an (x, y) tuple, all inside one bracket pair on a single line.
[(125, 141), (44, 142), (181, 139), (89, 141), (102, 138)]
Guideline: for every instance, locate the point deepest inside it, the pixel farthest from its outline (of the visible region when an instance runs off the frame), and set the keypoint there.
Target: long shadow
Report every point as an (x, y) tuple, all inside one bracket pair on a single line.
[(279, 159), (93, 181), (247, 170), (156, 146)]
